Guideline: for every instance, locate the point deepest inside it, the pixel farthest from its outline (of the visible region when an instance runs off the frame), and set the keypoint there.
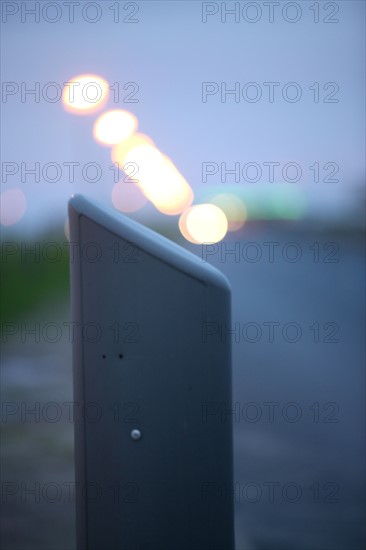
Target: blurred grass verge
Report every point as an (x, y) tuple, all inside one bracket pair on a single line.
[(33, 272)]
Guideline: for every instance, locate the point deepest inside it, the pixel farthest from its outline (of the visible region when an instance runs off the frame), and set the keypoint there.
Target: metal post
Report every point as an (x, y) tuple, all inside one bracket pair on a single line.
[(152, 373)]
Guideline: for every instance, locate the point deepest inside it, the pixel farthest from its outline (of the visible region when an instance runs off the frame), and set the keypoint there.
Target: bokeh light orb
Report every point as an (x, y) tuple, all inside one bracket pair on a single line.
[(233, 208), (203, 223), (128, 197), (155, 174), (174, 205), (121, 150), (13, 205), (160, 181), (168, 190), (114, 126), (85, 94), (147, 158)]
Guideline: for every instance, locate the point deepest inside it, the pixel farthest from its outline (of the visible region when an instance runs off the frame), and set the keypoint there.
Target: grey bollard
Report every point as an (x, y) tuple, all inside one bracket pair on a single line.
[(152, 375)]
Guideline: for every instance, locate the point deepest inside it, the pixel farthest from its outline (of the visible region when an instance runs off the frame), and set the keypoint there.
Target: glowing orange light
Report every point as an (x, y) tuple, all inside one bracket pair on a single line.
[(12, 206), (127, 197), (203, 223), (233, 208), (159, 179), (85, 94), (169, 191), (114, 126), (147, 159), (154, 173), (121, 150), (183, 227)]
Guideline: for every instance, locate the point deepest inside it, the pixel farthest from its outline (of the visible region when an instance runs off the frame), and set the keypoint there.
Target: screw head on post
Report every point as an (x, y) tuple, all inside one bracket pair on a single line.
[(136, 435)]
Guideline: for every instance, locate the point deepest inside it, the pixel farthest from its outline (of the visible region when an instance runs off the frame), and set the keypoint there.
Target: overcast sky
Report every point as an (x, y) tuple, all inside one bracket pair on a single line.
[(168, 53)]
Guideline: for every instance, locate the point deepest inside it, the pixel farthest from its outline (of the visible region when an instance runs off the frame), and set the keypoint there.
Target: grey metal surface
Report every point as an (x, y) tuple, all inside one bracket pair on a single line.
[(143, 364)]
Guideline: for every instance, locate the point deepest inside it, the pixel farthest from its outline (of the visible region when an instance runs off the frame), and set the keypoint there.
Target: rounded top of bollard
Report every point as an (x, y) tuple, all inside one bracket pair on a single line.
[(147, 240)]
